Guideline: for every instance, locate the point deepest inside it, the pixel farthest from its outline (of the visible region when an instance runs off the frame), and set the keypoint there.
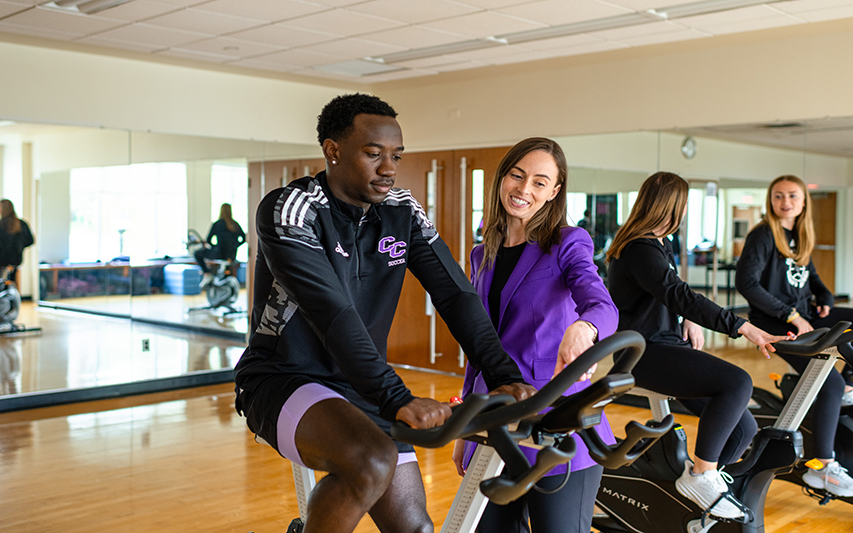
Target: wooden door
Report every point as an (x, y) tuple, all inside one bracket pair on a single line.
[(823, 212)]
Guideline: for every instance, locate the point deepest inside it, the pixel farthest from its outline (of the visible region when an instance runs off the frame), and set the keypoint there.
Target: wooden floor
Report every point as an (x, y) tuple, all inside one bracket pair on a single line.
[(184, 461)]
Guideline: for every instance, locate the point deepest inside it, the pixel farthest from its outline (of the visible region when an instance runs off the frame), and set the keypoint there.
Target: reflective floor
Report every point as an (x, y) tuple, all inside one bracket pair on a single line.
[(78, 350)]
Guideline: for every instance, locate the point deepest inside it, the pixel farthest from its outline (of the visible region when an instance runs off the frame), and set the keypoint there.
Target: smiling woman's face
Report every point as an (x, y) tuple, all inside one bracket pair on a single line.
[(788, 201), (529, 184)]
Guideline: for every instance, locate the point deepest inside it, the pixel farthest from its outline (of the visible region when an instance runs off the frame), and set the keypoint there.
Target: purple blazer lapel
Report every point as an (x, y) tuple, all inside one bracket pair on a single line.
[(528, 259)]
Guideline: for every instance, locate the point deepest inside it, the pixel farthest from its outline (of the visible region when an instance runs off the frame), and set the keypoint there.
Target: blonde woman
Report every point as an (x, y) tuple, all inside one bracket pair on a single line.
[(223, 239), (777, 277), (654, 301)]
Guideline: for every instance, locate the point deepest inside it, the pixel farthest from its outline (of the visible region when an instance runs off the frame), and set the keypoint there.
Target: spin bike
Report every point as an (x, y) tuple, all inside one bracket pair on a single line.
[(499, 471), (641, 498), (222, 289), (767, 407), (10, 306)]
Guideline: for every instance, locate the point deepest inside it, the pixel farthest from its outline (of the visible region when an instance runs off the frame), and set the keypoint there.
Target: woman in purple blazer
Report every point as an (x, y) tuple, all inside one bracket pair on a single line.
[(536, 278)]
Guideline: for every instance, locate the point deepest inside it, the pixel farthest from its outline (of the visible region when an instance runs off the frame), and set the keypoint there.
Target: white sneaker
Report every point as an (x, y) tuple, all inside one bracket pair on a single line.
[(706, 488), (205, 280), (833, 477), (847, 399)]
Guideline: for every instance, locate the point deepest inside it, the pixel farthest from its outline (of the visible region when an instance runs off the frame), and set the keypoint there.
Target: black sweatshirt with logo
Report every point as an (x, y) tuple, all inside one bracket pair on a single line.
[(773, 284), (327, 281)]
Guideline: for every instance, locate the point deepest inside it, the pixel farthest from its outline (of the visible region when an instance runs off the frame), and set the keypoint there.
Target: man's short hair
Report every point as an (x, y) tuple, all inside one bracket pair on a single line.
[(336, 120)]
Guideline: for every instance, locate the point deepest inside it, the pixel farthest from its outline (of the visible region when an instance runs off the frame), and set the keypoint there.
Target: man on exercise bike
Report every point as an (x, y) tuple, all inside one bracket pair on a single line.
[(314, 382)]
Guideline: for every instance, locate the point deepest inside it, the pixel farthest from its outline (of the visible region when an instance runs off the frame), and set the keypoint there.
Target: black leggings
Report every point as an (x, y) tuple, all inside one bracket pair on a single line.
[(569, 510), (716, 390), (826, 408)]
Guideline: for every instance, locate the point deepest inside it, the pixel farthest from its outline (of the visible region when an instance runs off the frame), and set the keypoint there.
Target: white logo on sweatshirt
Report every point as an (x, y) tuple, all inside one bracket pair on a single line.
[(798, 276), (340, 250)]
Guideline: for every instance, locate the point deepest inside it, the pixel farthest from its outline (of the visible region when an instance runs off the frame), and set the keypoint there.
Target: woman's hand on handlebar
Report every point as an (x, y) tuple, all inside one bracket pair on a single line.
[(760, 338), (519, 391), (424, 413), (802, 325), (458, 455)]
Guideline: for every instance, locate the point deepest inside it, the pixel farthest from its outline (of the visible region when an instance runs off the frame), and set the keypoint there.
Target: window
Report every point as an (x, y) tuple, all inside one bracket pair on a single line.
[(137, 211)]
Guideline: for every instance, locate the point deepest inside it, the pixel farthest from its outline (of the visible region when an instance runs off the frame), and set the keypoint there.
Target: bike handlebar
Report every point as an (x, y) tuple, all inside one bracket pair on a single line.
[(489, 412)]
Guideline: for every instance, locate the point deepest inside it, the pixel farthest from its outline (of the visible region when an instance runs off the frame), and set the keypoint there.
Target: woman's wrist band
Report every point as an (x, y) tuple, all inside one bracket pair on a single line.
[(793, 315)]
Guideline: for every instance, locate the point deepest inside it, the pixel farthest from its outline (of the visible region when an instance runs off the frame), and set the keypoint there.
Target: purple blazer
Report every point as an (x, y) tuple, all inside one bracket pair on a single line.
[(545, 294)]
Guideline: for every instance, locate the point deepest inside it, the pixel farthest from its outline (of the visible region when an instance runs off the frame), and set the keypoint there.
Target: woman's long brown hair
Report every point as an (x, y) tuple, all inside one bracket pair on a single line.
[(544, 226), (9, 221), (225, 214), (803, 224), (658, 210)]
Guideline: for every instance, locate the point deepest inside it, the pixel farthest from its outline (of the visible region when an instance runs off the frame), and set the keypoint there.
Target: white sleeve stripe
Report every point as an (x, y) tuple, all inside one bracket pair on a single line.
[(309, 245)]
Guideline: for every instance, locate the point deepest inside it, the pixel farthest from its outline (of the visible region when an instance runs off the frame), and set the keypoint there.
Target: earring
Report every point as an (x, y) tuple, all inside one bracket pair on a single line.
[(334, 162)]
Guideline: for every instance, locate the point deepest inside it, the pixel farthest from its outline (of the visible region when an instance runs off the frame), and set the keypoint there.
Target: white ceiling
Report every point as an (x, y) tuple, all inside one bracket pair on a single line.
[(323, 38)]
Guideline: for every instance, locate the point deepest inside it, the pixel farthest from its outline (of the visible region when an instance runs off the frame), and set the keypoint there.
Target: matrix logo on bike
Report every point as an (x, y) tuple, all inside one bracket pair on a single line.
[(395, 249)]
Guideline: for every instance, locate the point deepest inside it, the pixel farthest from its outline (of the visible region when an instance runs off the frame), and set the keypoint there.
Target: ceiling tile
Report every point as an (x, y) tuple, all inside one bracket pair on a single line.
[(193, 54), (412, 37), (737, 20), (138, 10), (200, 21), (54, 20), (494, 4), (562, 42), (461, 65), (143, 34), (232, 48), (652, 37), (397, 75), (555, 12), (25, 2), (345, 22), (185, 3), (640, 30), (284, 35), (301, 58), (276, 11), (7, 8), (265, 65), (817, 10), (120, 45), (336, 3), (643, 5), (38, 32), (353, 47), (484, 24), (414, 11), (589, 48)]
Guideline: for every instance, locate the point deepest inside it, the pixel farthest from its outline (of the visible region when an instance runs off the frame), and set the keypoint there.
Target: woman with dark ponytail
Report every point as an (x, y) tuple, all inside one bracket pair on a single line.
[(15, 235)]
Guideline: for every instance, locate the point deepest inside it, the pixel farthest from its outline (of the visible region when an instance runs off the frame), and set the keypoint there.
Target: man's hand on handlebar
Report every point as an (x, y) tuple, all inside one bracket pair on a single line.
[(519, 391), (424, 413), (760, 338)]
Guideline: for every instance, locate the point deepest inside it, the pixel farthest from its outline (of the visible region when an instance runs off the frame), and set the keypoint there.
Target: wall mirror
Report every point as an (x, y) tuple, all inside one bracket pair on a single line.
[(114, 215)]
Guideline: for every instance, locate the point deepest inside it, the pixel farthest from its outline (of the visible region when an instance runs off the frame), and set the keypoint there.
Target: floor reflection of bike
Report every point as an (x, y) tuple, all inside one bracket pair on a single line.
[(221, 289)]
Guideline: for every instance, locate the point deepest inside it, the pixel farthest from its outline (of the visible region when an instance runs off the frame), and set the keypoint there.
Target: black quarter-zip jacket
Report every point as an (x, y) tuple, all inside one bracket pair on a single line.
[(327, 281)]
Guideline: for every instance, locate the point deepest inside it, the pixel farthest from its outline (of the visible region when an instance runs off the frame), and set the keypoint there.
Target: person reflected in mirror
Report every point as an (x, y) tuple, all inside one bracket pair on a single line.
[(778, 278), (15, 236), (223, 239), (536, 278), (655, 302), (314, 382)]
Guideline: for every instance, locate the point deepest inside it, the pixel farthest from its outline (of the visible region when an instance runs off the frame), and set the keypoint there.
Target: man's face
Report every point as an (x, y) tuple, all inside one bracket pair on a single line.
[(363, 165)]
